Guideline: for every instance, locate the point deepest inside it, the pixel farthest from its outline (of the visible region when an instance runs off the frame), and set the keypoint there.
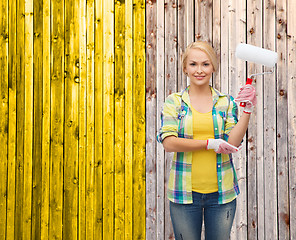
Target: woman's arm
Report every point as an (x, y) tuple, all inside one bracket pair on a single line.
[(175, 144), (239, 130)]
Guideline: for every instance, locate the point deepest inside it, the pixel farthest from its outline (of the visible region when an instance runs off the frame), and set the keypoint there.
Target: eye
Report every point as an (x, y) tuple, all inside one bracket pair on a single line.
[(206, 64), (192, 64)]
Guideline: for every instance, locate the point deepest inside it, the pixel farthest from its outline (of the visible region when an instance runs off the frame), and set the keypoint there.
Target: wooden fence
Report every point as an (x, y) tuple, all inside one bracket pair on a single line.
[(266, 165), (72, 126)]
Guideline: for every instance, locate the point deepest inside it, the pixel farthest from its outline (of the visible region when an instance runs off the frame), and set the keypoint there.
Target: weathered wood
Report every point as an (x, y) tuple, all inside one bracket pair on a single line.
[(46, 59), (57, 121), (160, 81), (70, 209), (216, 41), (20, 121), (4, 120), (224, 50), (98, 174), (128, 110), (119, 95), (139, 187), (37, 121), (270, 157), (28, 121), (237, 78), (203, 20), (291, 78), (89, 184), (82, 121), (108, 116), (181, 43), (255, 136), (12, 77), (170, 87), (151, 184), (282, 122)]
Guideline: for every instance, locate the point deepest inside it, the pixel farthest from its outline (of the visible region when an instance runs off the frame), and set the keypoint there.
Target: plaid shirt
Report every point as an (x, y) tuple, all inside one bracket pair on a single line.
[(176, 120)]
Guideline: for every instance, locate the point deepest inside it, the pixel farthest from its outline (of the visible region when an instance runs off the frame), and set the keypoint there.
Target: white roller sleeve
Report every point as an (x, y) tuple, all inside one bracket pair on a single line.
[(255, 54)]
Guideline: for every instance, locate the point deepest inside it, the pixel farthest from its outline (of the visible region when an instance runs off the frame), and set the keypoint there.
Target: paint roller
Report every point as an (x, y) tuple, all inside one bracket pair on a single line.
[(256, 55)]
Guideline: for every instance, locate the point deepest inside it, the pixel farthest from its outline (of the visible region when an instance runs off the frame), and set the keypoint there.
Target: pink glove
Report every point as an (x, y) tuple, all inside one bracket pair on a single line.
[(247, 94), (221, 146)]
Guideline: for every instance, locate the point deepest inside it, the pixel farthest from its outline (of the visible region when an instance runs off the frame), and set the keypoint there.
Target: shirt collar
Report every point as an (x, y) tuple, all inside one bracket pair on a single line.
[(215, 95)]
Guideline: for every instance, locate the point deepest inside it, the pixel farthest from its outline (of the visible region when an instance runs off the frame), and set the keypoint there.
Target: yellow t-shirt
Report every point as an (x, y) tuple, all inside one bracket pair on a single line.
[(204, 169)]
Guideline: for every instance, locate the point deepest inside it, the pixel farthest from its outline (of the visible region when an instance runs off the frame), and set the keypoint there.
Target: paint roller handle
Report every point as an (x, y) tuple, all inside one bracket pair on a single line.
[(249, 82)]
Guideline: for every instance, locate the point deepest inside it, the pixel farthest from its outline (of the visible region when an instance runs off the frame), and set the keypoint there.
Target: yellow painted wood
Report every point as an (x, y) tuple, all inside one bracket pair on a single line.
[(98, 181), (70, 205), (90, 121), (119, 117), (4, 117), (57, 120), (20, 121), (82, 120), (45, 121), (129, 119), (28, 121), (108, 117), (37, 169), (139, 121), (12, 66)]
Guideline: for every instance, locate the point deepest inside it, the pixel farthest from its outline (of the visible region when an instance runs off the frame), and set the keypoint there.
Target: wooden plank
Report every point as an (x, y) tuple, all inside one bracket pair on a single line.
[(270, 157), (217, 41), (224, 47), (151, 32), (160, 74), (282, 122), (70, 207), (4, 121), (89, 185), (12, 66), (170, 87), (28, 121), (128, 111), (98, 181), (82, 121), (46, 42), (182, 42), (255, 131), (108, 116), (139, 162), (203, 20), (237, 78), (20, 120), (291, 77), (57, 120), (37, 119), (119, 95)]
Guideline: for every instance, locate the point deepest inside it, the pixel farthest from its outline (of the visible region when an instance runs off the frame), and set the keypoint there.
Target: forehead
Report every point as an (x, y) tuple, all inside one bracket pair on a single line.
[(197, 55)]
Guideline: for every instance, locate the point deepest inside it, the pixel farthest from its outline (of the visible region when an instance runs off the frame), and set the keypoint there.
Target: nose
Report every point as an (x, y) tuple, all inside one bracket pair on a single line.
[(199, 69)]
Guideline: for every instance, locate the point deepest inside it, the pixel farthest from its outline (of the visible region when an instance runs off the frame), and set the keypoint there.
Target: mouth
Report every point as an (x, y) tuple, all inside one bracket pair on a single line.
[(199, 77)]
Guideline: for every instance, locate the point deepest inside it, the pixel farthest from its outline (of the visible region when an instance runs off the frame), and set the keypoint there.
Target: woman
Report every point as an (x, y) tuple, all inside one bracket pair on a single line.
[(201, 127)]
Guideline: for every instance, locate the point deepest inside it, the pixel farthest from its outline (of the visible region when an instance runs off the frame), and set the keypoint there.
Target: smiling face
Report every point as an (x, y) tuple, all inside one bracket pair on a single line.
[(198, 67)]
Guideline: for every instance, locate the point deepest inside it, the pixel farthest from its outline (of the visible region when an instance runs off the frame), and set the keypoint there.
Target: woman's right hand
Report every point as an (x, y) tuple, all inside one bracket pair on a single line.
[(221, 146)]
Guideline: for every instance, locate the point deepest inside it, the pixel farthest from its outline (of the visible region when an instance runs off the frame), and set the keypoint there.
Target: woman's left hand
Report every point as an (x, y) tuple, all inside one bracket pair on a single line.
[(247, 94)]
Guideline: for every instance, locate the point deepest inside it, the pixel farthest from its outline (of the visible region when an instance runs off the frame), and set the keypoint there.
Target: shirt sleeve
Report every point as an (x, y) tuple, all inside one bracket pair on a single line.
[(232, 118), (169, 119)]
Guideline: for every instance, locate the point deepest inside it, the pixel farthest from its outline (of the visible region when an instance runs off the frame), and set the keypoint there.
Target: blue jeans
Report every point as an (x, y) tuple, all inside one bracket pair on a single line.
[(218, 218)]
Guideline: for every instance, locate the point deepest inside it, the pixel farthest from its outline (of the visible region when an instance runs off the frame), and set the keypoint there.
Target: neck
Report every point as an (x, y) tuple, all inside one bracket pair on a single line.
[(199, 90)]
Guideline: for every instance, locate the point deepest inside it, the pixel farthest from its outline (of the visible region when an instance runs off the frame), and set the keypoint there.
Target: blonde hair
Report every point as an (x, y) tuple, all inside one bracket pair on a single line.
[(205, 47)]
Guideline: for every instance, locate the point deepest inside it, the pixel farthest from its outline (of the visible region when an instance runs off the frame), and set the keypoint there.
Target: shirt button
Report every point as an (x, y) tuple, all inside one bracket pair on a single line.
[(220, 180), (216, 128), (219, 165)]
